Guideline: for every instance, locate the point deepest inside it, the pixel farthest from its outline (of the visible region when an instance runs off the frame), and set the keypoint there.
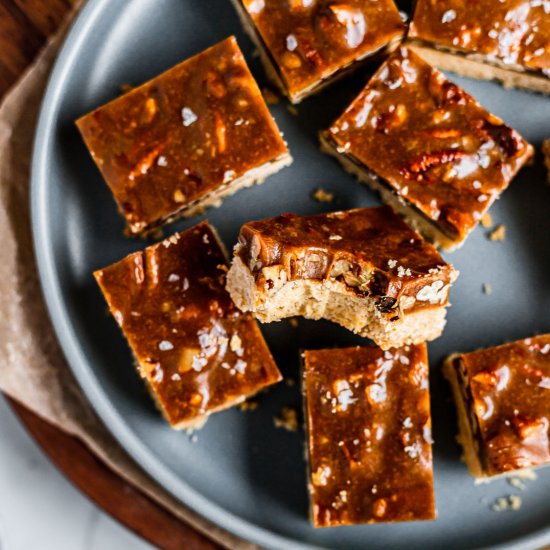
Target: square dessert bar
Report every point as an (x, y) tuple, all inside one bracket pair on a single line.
[(364, 269), (503, 400), (197, 352), (369, 435), (305, 44), (506, 40), (186, 139), (434, 154)]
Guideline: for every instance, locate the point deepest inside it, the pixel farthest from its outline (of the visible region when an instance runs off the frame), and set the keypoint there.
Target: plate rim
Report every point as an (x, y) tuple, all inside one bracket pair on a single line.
[(69, 342)]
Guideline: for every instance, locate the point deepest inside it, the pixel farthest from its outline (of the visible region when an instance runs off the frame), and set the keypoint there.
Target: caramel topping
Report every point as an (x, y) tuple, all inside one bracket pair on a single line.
[(369, 435), (370, 249), (514, 32), (198, 352), (311, 39), (430, 142), (509, 387), (182, 135)]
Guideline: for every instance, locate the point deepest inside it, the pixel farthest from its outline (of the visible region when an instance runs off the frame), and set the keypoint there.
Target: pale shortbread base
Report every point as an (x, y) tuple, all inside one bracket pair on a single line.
[(214, 199), (466, 436), (413, 218), (275, 77), (475, 67), (332, 300)]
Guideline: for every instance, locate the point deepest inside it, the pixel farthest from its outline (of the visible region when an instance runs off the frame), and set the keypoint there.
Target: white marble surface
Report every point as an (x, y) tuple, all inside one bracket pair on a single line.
[(40, 509)]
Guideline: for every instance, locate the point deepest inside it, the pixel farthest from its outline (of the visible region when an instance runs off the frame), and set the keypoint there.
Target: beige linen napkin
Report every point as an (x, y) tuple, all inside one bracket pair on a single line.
[(32, 368)]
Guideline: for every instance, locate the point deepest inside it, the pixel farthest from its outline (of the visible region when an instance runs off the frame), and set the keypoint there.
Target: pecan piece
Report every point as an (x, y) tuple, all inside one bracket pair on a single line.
[(493, 379), (507, 139), (392, 119), (353, 22), (525, 447), (142, 167), (220, 131), (443, 133), (418, 166), (532, 429), (385, 304), (214, 85), (451, 94)]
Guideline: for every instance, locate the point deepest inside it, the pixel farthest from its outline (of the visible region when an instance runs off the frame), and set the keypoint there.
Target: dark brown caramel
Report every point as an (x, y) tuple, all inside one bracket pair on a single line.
[(513, 32), (309, 40), (508, 392), (196, 350), (369, 435), (430, 142), (183, 135), (370, 249)]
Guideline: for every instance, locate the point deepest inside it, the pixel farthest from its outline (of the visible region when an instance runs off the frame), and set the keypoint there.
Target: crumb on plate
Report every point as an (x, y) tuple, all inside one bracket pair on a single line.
[(321, 195), (511, 502), (287, 419), (498, 233)]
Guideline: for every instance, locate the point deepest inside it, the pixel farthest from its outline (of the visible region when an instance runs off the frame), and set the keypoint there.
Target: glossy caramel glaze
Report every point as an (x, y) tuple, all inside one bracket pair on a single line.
[(508, 389), (197, 351), (430, 142), (309, 40), (370, 249), (177, 138), (512, 32), (369, 435)]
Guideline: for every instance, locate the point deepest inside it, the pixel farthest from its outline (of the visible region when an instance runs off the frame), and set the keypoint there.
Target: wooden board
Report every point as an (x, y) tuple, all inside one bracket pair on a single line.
[(117, 497)]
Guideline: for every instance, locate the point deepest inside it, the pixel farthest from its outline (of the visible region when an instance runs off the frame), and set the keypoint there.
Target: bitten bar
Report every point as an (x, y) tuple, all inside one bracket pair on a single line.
[(364, 269), (186, 139), (431, 151), (503, 401), (508, 40), (197, 352), (368, 435), (305, 45)]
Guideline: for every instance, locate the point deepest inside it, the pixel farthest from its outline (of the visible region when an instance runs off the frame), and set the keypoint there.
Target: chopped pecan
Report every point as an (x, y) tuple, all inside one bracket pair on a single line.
[(527, 429), (380, 507), (451, 94), (507, 139), (220, 132), (443, 133), (379, 284), (528, 447), (142, 167), (494, 379), (291, 60), (385, 304), (418, 166), (353, 22), (187, 359), (340, 267), (312, 266), (391, 119), (150, 110), (214, 85)]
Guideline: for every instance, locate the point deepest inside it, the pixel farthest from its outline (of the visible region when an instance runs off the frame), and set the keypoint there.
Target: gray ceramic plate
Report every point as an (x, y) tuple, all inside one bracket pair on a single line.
[(243, 473)]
